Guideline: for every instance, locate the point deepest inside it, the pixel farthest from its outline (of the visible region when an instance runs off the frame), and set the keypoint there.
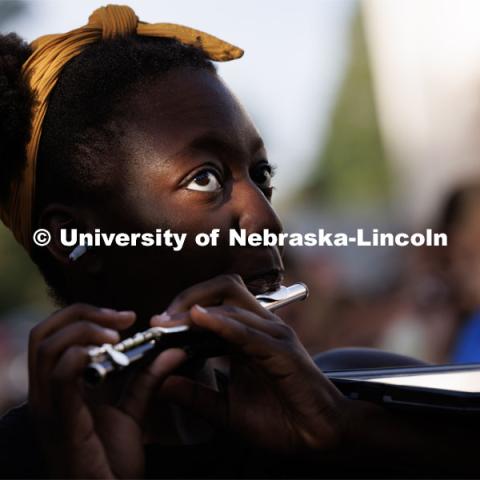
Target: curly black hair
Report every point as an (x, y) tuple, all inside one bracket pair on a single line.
[(15, 106), (76, 136)]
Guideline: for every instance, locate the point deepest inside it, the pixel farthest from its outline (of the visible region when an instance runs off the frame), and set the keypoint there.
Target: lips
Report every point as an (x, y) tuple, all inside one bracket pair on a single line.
[(263, 282), (260, 268)]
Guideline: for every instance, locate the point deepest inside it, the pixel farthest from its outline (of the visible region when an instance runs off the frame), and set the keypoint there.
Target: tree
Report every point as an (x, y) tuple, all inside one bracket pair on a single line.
[(352, 168)]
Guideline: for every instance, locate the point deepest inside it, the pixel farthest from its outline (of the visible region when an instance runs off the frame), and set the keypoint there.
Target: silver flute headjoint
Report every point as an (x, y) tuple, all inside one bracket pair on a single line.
[(107, 358)]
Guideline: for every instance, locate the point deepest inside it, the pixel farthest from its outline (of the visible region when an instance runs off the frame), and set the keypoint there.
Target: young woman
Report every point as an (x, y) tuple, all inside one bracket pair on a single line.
[(126, 127)]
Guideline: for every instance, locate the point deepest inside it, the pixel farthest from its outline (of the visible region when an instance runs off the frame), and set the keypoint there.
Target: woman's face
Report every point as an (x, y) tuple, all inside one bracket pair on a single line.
[(195, 163)]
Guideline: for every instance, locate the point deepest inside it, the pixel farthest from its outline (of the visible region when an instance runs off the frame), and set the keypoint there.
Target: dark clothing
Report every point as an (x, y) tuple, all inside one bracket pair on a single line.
[(225, 457), (19, 455)]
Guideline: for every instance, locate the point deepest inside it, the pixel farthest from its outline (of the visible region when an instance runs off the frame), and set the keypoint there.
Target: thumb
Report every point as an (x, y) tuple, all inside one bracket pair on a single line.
[(139, 392)]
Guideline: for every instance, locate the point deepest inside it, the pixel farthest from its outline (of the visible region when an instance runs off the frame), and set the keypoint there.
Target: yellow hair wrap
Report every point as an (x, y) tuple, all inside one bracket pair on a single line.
[(43, 67)]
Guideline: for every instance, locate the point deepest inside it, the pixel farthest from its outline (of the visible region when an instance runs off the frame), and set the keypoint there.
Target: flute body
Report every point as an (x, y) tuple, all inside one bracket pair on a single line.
[(109, 358)]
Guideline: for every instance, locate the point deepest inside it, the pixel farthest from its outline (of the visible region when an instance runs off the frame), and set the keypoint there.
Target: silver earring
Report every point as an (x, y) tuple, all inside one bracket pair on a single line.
[(78, 251)]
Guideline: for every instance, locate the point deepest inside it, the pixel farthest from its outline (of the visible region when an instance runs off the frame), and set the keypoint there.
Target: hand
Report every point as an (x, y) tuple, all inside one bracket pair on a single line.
[(82, 437), (277, 397)]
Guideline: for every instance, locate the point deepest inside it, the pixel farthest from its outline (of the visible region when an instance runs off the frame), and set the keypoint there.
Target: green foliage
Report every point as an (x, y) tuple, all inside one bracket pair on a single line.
[(352, 168), (20, 280)]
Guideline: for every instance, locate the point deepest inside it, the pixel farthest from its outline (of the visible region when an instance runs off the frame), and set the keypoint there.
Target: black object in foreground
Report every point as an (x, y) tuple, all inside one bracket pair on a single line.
[(445, 389)]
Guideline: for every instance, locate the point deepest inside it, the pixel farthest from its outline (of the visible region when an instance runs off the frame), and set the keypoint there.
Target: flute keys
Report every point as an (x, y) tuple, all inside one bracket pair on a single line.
[(116, 357), (94, 352)]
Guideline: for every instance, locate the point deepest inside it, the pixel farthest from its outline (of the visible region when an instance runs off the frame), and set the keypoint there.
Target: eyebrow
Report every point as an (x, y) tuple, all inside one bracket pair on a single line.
[(211, 141)]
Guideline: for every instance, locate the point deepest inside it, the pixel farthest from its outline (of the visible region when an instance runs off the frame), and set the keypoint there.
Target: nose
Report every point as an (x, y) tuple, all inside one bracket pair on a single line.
[(254, 211)]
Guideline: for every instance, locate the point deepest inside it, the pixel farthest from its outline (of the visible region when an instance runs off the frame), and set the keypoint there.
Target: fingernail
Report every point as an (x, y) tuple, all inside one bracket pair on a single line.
[(113, 334), (108, 311), (164, 317), (126, 313), (200, 309)]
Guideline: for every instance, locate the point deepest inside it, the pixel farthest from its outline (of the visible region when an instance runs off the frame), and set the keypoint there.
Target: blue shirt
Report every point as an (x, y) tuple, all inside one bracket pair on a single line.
[(467, 345)]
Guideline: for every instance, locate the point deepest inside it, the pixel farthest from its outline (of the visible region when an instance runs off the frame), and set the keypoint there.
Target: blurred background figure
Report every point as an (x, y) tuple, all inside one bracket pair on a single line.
[(461, 261), (371, 111)]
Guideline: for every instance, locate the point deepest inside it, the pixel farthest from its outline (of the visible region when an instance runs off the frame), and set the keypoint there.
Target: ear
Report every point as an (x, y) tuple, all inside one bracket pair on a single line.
[(56, 217)]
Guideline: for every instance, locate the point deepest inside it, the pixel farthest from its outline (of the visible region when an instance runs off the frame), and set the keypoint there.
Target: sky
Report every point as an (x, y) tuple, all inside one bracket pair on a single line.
[(295, 54), (425, 60)]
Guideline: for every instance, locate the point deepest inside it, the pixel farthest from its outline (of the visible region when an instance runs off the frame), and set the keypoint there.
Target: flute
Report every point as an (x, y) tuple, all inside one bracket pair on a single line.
[(107, 358)]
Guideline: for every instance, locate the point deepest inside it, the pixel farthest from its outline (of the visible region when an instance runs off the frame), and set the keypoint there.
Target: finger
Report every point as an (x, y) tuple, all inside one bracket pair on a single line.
[(274, 358), (272, 325), (102, 316), (63, 406), (139, 391), (79, 333), (106, 317), (223, 289), (250, 341), (197, 398), (64, 399), (164, 320)]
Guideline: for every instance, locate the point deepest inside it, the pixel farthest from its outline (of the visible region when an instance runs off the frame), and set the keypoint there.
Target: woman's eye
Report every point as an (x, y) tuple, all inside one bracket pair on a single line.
[(205, 181), (263, 176)]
